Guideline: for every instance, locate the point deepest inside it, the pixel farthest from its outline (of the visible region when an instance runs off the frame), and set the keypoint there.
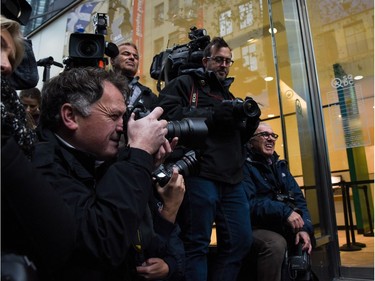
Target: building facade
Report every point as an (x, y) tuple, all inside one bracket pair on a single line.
[(308, 64)]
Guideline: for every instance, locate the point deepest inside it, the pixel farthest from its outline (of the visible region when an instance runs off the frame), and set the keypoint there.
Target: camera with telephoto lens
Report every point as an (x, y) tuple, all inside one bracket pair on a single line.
[(191, 132), (242, 109), (86, 49), (187, 165)]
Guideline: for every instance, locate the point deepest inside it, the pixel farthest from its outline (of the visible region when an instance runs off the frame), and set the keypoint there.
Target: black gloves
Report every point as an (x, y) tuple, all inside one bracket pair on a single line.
[(221, 121), (223, 115)]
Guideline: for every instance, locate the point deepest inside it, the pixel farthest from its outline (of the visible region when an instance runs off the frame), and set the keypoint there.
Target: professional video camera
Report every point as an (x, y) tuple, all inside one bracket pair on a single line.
[(187, 165), (166, 65), (190, 131), (86, 49)]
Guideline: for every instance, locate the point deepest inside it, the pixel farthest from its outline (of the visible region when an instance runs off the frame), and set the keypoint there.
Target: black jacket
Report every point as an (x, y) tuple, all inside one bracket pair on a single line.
[(110, 204), (196, 93), (264, 182), (35, 221)]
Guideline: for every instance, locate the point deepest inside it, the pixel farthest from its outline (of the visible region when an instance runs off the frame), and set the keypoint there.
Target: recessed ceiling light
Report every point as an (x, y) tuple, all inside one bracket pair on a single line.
[(271, 115), (251, 40), (268, 78), (274, 30), (358, 77)]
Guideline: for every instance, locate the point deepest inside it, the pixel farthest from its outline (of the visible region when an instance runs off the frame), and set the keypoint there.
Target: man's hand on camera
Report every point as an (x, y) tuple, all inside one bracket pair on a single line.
[(223, 114), (164, 151), (295, 221), (172, 195), (147, 133), (306, 242)]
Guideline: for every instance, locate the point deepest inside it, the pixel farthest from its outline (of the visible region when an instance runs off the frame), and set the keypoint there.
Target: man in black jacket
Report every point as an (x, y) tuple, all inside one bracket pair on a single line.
[(127, 63), (216, 194), (110, 193), (36, 224)]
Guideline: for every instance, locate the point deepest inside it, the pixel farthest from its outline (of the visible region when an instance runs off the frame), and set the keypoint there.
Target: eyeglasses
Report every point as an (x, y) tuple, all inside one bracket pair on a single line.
[(266, 135), (220, 60)]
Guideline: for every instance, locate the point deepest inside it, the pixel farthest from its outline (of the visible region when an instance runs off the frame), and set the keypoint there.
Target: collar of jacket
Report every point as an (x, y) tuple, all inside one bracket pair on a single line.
[(76, 159), (208, 75), (254, 156)]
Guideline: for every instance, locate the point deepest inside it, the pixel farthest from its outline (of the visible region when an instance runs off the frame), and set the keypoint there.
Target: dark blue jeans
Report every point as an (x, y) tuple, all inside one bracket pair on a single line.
[(206, 202)]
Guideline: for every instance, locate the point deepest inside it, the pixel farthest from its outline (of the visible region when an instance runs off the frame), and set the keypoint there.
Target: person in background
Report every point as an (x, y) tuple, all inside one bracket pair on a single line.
[(216, 194), (127, 63), (37, 228), (109, 190), (31, 99), (278, 209)]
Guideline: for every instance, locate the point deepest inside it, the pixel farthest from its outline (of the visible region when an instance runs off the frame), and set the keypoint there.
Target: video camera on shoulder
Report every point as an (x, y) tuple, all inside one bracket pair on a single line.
[(87, 49), (166, 65)]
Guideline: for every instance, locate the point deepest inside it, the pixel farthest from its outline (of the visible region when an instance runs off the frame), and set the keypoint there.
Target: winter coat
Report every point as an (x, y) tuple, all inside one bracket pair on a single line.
[(196, 93), (111, 207), (264, 182)]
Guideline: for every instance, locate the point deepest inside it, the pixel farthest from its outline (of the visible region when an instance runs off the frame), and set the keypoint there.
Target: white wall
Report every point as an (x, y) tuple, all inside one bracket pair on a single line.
[(50, 41)]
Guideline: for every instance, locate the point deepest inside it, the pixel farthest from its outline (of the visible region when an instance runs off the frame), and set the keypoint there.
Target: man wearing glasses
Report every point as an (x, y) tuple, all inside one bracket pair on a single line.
[(217, 193), (278, 209)]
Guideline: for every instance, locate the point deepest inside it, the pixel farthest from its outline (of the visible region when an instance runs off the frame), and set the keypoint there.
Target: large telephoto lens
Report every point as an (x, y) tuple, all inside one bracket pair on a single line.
[(190, 131)]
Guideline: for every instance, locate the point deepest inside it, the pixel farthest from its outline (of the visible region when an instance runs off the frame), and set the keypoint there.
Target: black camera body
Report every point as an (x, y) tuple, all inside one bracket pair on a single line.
[(187, 165), (166, 65), (289, 200), (87, 49), (299, 264)]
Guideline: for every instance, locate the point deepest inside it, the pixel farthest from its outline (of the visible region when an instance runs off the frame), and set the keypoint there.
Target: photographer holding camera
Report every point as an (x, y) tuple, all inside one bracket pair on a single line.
[(122, 234), (278, 209), (216, 194)]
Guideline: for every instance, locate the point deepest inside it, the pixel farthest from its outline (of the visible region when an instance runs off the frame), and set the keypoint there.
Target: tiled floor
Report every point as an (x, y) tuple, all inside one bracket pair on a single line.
[(361, 258)]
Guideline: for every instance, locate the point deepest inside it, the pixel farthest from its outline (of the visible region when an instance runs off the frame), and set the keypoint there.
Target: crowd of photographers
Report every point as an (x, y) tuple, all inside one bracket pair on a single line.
[(106, 195)]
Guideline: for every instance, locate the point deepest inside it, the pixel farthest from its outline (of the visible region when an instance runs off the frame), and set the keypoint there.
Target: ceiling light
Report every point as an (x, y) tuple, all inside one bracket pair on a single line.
[(268, 78), (358, 77), (271, 115), (251, 40), (274, 30)]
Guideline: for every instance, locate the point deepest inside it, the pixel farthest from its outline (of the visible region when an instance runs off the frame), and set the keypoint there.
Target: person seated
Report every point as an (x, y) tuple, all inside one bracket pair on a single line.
[(109, 190), (31, 99), (278, 209)]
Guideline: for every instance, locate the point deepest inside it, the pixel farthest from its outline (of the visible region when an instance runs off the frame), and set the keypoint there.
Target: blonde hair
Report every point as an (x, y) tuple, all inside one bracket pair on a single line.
[(14, 29)]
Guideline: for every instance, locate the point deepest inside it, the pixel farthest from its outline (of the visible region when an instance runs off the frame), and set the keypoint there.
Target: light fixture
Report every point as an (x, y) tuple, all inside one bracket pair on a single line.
[(358, 77), (270, 115), (268, 78), (251, 40), (274, 30)]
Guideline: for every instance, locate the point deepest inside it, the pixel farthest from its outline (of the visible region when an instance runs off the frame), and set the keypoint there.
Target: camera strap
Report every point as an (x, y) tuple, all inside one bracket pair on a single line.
[(193, 95)]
